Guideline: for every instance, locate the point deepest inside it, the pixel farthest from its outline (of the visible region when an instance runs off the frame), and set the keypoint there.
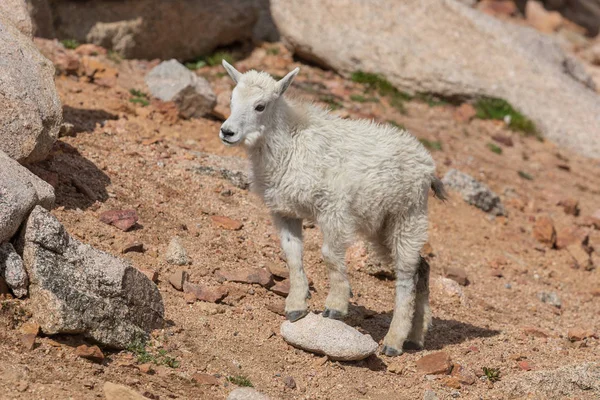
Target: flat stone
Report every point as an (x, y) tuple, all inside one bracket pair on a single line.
[(503, 139), (277, 307), (474, 192), (30, 328), (28, 340), (114, 391), (13, 271), (206, 293), (178, 278), (133, 247), (176, 253), (279, 271), (147, 369), (152, 275), (289, 382), (281, 288), (578, 334), (247, 394), (535, 332), (544, 231), (122, 219), (205, 379), (459, 275), (580, 256), (252, 275), (438, 363), (463, 374), (571, 235), (226, 223), (78, 289), (327, 336), (92, 353)]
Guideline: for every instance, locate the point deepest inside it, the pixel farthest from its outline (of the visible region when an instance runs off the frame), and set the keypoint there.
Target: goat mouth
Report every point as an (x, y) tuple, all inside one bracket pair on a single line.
[(229, 143)]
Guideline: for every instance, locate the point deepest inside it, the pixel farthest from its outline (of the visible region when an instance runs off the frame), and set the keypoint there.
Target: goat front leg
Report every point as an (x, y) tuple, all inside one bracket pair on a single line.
[(290, 234)]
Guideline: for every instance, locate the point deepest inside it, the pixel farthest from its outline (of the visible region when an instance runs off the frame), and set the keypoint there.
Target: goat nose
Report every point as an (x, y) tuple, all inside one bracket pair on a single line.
[(227, 132)]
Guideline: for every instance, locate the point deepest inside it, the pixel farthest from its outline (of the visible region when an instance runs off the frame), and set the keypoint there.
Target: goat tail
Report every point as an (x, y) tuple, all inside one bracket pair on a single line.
[(438, 189)]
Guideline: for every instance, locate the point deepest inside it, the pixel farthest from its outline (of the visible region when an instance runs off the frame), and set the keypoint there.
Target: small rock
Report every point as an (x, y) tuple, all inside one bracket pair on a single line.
[(253, 275), (329, 337), (178, 278), (570, 206), (524, 365), (465, 113), (594, 219), (571, 235), (474, 192), (171, 81), (463, 375), (247, 394), (146, 369), (277, 308), (397, 367), (429, 395), (449, 287), (544, 231), (133, 247), (176, 253), (205, 379), (114, 391), (189, 297), (452, 382), (152, 275), (505, 140), (281, 288), (22, 386), (30, 328), (438, 363), (205, 293), (92, 353), (12, 270), (279, 271), (578, 334), (289, 382), (28, 340), (459, 275), (227, 223), (550, 298), (122, 219), (535, 332), (581, 258)]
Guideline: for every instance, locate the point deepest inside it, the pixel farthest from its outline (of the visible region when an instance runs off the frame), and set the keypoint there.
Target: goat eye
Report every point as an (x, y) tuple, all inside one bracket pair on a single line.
[(260, 107)]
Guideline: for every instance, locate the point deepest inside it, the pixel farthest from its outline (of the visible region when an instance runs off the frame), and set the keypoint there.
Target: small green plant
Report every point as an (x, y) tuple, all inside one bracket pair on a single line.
[(139, 97), (240, 380), (397, 125), (435, 145), (332, 102), (432, 100), (139, 348), (114, 57), (493, 374), (362, 99), (194, 65), (498, 109), (273, 51), (383, 87), (525, 175), (218, 57), (70, 43), (494, 148)]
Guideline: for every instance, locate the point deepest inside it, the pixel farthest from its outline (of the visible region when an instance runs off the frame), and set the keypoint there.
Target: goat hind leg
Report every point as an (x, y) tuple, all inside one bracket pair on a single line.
[(422, 316), (334, 254)]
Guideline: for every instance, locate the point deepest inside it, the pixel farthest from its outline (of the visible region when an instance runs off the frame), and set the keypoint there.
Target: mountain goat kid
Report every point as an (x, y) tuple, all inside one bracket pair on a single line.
[(350, 177)]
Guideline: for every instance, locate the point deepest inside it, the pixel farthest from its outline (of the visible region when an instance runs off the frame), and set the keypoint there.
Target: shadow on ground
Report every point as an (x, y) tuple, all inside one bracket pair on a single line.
[(85, 120)]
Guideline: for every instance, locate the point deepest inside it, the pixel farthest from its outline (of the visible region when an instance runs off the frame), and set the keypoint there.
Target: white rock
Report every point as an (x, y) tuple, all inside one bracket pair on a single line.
[(176, 253), (247, 394), (328, 336), (474, 192)]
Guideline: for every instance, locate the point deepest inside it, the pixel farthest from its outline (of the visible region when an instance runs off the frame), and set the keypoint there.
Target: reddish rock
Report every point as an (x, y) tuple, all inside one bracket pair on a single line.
[(502, 139), (226, 223), (465, 113), (525, 365), (279, 271), (133, 247), (178, 278), (189, 297), (578, 334), (122, 219), (281, 288), (459, 275), (594, 220), (434, 364), (571, 235), (152, 275), (30, 328), (463, 375), (92, 353), (205, 293), (205, 379), (146, 369), (535, 332), (570, 206), (252, 275), (28, 340), (544, 231), (66, 62), (581, 259), (452, 382), (277, 308)]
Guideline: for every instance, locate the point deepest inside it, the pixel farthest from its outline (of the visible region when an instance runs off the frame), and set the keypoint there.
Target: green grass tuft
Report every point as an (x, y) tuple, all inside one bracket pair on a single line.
[(494, 148), (498, 109), (194, 65), (240, 380), (493, 374), (210, 60), (273, 51), (525, 175), (397, 125), (435, 145), (383, 87), (139, 348), (362, 99), (432, 100), (139, 97), (70, 43)]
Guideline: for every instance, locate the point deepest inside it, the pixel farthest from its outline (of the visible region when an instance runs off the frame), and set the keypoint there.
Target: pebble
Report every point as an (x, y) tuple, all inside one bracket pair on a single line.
[(578, 334), (550, 298), (570, 206), (178, 278), (205, 293), (327, 336), (247, 394), (146, 369), (524, 365), (544, 231), (571, 235), (434, 364), (227, 223), (281, 288), (251, 275), (459, 275), (92, 353), (122, 219), (289, 382), (430, 395), (535, 332), (176, 254), (463, 375)]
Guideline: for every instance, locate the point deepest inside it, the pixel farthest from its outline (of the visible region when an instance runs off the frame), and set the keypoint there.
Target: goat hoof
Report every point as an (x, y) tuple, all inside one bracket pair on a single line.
[(333, 314), (390, 351), (294, 316), (412, 346)]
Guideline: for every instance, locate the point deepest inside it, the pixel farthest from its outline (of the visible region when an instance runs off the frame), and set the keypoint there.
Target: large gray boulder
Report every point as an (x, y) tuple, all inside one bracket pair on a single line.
[(75, 288), (445, 47), (171, 81), (30, 109), (17, 12), (182, 29)]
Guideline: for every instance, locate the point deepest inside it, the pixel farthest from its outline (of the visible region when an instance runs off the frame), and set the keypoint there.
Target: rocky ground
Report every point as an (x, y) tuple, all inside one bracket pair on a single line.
[(528, 307)]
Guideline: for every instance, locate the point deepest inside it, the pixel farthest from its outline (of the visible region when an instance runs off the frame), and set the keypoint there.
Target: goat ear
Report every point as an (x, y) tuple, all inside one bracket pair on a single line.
[(285, 82), (233, 73)]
